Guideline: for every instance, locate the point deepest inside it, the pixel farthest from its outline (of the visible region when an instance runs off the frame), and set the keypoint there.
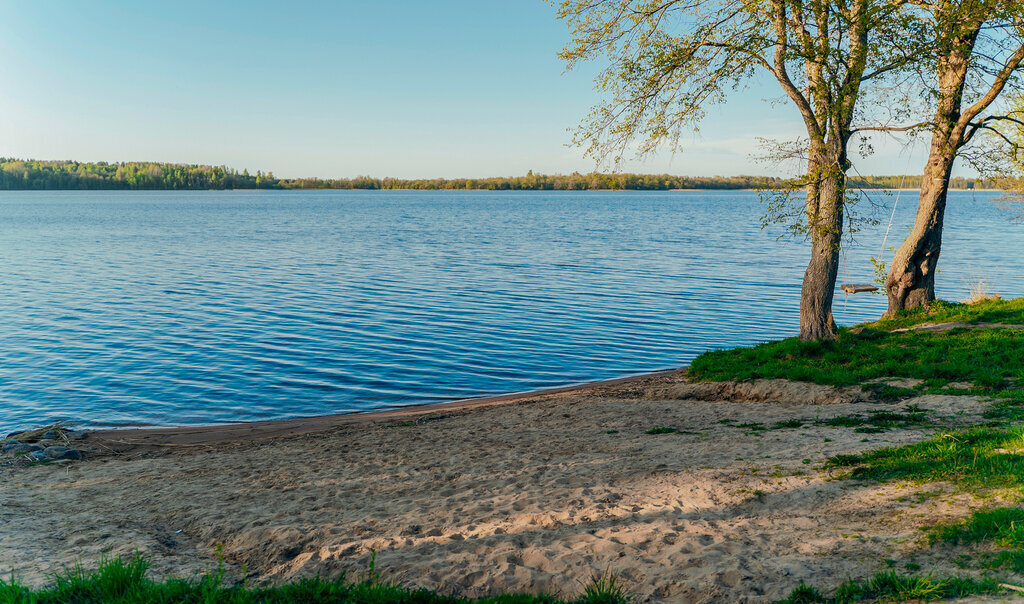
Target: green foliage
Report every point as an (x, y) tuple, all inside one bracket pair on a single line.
[(16, 174), (991, 359), (878, 421), (37, 175), (891, 586), (988, 311), (124, 582), (605, 589), (983, 458), (803, 594), (661, 430), (881, 271), (543, 182), (1002, 526)]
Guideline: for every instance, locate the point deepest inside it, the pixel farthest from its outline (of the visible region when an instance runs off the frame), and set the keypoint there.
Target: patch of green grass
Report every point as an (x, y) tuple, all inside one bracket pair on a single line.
[(880, 421), (988, 358), (803, 594), (890, 586), (661, 430), (990, 311), (1008, 407), (1002, 527), (752, 426), (117, 581), (981, 458), (605, 589), (871, 423), (1011, 559)]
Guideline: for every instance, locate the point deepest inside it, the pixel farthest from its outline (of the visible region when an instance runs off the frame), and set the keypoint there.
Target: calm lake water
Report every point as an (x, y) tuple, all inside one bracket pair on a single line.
[(165, 308)]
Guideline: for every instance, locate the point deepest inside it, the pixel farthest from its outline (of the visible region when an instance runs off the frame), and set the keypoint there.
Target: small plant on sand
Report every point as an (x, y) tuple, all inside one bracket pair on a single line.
[(605, 589), (803, 594), (661, 430)]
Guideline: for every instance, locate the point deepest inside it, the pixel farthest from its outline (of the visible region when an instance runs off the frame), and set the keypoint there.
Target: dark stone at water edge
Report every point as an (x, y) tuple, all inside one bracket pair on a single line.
[(14, 446), (56, 452)]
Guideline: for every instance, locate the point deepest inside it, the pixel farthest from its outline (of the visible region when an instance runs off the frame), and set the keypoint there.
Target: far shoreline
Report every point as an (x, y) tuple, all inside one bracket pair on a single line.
[(370, 190)]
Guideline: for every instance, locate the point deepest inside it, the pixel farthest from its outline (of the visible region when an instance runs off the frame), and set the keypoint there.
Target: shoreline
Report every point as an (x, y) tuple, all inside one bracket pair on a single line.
[(138, 438)]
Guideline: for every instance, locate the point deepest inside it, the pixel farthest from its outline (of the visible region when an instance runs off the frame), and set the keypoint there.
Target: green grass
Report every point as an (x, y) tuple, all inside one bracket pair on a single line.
[(990, 311), (878, 421), (979, 458), (1002, 527), (661, 430), (117, 581), (891, 586), (991, 359)]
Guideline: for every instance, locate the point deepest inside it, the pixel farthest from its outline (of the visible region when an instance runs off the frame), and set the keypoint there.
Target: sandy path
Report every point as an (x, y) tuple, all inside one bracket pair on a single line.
[(534, 495)]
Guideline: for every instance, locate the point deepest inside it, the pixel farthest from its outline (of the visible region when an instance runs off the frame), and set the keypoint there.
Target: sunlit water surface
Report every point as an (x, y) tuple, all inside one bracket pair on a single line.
[(167, 308)]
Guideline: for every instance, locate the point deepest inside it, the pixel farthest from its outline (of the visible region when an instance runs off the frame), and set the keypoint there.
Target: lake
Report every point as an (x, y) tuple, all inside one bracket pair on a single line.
[(177, 308)]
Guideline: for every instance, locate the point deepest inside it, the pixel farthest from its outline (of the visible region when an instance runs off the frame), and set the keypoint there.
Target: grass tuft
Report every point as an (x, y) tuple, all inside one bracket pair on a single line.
[(661, 430), (890, 586), (119, 581), (803, 594), (605, 588)]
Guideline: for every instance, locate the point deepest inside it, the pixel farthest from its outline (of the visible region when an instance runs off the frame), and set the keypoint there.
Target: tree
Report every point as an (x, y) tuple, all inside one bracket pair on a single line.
[(670, 59), (975, 51)]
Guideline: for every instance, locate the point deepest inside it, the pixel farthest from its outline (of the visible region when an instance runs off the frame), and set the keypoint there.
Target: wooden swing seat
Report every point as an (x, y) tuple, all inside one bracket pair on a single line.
[(856, 288)]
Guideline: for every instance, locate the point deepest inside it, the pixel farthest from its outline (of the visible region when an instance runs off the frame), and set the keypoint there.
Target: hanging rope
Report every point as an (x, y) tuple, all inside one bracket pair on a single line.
[(846, 276), (895, 205)]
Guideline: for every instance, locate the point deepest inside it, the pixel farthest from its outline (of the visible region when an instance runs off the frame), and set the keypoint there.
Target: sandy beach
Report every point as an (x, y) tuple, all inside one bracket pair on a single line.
[(527, 493)]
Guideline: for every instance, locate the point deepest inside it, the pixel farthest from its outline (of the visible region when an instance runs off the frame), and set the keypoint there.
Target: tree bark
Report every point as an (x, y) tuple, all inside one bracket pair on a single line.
[(911, 280), (826, 197)]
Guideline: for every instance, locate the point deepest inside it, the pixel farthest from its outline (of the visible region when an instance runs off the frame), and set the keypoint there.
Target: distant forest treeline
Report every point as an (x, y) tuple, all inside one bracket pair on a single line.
[(16, 174)]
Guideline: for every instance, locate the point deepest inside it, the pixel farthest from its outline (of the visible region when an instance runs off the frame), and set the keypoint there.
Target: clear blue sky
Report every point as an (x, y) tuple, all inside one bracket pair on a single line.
[(318, 88)]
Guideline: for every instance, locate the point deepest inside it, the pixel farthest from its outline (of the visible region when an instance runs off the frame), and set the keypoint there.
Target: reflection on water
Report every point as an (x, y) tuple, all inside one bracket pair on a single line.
[(179, 308)]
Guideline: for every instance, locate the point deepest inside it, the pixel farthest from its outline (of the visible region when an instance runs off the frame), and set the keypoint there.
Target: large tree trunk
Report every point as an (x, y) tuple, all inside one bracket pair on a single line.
[(911, 280), (825, 219)]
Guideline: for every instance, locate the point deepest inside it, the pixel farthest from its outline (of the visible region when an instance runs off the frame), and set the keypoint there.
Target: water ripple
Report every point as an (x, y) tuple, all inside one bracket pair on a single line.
[(161, 308)]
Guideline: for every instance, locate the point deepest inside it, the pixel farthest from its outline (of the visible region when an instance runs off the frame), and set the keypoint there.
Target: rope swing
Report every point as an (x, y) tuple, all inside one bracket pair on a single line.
[(858, 288)]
